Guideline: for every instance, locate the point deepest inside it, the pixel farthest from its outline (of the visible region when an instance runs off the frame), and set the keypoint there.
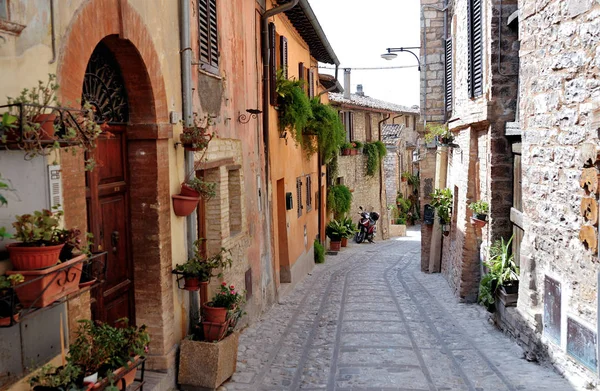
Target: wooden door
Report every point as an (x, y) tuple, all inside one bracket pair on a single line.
[(108, 218)]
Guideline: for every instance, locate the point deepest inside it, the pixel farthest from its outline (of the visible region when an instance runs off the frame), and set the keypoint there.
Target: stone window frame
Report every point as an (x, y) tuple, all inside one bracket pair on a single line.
[(6, 25)]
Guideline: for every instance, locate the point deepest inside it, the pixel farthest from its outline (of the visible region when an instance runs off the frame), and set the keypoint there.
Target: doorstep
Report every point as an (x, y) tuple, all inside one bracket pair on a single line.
[(159, 381)]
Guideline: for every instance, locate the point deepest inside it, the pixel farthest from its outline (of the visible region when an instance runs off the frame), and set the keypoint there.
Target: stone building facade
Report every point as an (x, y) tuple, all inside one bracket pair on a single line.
[(557, 310), (364, 118), (479, 95)]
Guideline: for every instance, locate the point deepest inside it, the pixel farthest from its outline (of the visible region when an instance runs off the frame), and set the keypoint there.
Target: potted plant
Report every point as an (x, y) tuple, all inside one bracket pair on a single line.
[(405, 175), (197, 136), (51, 378), (197, 187), (346, 148), (197, 271), (442, 202), (351, 229), (335, 231), (439, 133), (8, 311), (39, 242), (357, 147), (480, 210), (503, 273), (339, 200), (220, 311)]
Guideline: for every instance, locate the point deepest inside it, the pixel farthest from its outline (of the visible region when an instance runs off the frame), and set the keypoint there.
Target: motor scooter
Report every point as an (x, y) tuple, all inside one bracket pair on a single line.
[(367, 226)]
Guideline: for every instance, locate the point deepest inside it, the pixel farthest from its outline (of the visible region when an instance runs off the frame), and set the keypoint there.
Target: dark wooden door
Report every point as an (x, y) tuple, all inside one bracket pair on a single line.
[(108, 217)]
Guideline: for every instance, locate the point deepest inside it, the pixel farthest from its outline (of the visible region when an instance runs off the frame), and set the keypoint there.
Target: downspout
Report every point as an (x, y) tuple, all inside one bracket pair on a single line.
[(53, 30), (186, 95)]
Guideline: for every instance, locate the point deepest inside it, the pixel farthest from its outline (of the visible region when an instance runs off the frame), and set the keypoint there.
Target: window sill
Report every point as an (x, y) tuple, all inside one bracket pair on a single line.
[(11, 27), (209, 73)]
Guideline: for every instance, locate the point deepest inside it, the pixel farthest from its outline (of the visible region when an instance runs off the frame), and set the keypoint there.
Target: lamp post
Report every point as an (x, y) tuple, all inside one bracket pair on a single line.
[(391, 54)]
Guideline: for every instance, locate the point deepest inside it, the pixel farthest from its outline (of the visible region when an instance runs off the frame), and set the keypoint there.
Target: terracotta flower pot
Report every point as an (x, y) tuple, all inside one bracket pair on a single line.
[(354, 152), (344, 242), (214, 314), (46, 122), (403, 179), (346, 152), (187, 191), (214, 331), (184, 206), (50, 284), (33, 258), (4, 322), (478, 223), (335, 245), (191, 283)]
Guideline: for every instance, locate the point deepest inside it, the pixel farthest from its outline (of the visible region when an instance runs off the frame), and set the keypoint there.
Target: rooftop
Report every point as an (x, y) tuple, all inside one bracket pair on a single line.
[(366, 101), (305, 21), (329, 81), (390, 133)]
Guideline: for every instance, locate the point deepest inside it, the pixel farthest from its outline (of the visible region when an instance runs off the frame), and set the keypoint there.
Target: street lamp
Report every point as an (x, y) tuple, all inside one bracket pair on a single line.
[(391, 54)]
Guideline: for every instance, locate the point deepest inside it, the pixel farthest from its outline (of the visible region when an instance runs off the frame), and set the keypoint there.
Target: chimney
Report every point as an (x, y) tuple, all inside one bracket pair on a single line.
[(359, 90), (347, 83)]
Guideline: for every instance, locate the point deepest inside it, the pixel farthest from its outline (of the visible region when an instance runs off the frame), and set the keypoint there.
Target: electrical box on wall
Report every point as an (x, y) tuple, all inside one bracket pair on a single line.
[(33, 185), (289, 201)]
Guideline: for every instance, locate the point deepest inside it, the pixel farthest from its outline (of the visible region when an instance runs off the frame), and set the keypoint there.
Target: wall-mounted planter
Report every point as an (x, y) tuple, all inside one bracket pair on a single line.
[(43, 287), (478, 223), (184, 206), (33, 258), (187, 191)]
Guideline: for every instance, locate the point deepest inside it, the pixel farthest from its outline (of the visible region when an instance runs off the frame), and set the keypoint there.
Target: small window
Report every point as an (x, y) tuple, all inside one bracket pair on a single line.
[(308, 193), (208, 35), (349, 123), (406, 121), (368, 130), (4, 9), (299, 195)]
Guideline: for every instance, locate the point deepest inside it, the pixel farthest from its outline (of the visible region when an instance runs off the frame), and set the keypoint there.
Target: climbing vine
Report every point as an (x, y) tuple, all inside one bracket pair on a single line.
[(294, 107)]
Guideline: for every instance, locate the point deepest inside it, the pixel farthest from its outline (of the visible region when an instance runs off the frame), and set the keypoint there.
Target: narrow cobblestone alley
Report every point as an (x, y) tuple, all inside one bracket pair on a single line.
[(368, 319)]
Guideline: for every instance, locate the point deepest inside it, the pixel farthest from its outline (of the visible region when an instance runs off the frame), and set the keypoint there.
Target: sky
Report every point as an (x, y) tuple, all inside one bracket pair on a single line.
[(359, 32)]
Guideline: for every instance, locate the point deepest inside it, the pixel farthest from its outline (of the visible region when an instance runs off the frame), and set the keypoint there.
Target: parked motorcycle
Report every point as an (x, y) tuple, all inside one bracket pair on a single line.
[(367, 226)]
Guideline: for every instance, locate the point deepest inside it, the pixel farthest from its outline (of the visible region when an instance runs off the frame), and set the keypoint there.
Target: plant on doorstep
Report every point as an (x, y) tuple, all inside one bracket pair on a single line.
[(319, 251), (442, 202), (335, 231), (339, 200), (351, 229), (502, 273), (375, 152)]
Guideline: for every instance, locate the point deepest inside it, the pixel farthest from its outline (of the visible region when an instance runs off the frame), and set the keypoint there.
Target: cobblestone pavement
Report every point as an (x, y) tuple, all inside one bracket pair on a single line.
[(368, 319)]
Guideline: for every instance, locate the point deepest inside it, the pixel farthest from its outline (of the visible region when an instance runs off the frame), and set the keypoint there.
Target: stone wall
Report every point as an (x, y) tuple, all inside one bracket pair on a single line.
[(432, 49), (392, 174), (427, 174), (559, 93)]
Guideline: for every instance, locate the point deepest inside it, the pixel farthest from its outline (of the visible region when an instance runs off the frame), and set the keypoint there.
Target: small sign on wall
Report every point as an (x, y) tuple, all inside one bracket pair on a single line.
[(581, 344), (552, 309)]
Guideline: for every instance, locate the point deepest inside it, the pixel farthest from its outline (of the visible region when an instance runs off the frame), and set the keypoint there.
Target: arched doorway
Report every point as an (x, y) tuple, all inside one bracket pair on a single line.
[(107, 187)]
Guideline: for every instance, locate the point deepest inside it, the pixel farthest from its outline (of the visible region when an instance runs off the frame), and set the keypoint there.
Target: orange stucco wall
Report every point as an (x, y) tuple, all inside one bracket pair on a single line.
[(289, 162)]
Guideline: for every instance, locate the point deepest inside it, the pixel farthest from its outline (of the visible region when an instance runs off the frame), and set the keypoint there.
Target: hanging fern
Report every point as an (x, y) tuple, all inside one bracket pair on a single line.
[(294, 107), (339, 200), (375, 152), (328, 128)]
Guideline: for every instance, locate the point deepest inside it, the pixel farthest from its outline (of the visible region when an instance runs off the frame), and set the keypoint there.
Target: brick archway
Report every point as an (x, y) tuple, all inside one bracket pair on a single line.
[(118, 25)]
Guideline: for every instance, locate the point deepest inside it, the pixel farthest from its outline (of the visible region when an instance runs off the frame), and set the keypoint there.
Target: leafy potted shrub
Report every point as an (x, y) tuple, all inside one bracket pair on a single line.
[(335, 231), (405, 175), (319, 251), (64, 378), (351, 229), (339, 200), (375, 152), (39, 242), (442, 202), (439, 133), (503, 273), (8, 311), (220, 311), (357, 147), (197, 271), (480, 210)]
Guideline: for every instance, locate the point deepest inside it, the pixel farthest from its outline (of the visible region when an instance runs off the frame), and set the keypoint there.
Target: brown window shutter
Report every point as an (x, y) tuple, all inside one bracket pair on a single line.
[(208, 39), (299, 195), (273, 63), (311, 84), (475, 53), (448, 77), (301, 74), (283, 53), (308, 192), (368, 131), (351, 126)]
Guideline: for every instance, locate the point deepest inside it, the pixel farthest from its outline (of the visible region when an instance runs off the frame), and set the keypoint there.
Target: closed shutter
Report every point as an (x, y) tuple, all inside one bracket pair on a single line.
[(351, 125), (448, 77), (301, 74), (283, 53), (308, 193), (299, 195), (311, 84), (475, 30), (208, 34), (273, 63), (368, 131)]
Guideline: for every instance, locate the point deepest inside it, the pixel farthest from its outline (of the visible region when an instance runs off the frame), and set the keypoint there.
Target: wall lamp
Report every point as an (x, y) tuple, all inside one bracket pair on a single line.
[(391, 53), (252, 114)]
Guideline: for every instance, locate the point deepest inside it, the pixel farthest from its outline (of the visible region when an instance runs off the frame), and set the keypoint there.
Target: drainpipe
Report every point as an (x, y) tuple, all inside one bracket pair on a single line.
[(53, 30), (381, 169), (186, 94)]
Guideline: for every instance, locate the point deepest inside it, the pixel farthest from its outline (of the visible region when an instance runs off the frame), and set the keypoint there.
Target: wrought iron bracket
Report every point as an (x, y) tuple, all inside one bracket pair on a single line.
[(244, 118)]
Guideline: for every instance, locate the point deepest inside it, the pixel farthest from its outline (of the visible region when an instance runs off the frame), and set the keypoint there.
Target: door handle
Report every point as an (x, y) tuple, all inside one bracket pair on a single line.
[(114, 240)]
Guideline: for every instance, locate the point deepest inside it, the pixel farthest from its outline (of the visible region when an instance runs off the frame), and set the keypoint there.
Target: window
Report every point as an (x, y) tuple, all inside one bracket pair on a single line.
[(207, 35), (475, 34), (235, 202), (406, 121), (301, 72), (349, 125), (308, 193), (299, 195), (448, 77), (273, 63), (368, 130), (4, 9)]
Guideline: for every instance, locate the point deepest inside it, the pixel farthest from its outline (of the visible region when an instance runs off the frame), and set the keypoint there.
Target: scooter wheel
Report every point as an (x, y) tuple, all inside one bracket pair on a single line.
[(360, 236)]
